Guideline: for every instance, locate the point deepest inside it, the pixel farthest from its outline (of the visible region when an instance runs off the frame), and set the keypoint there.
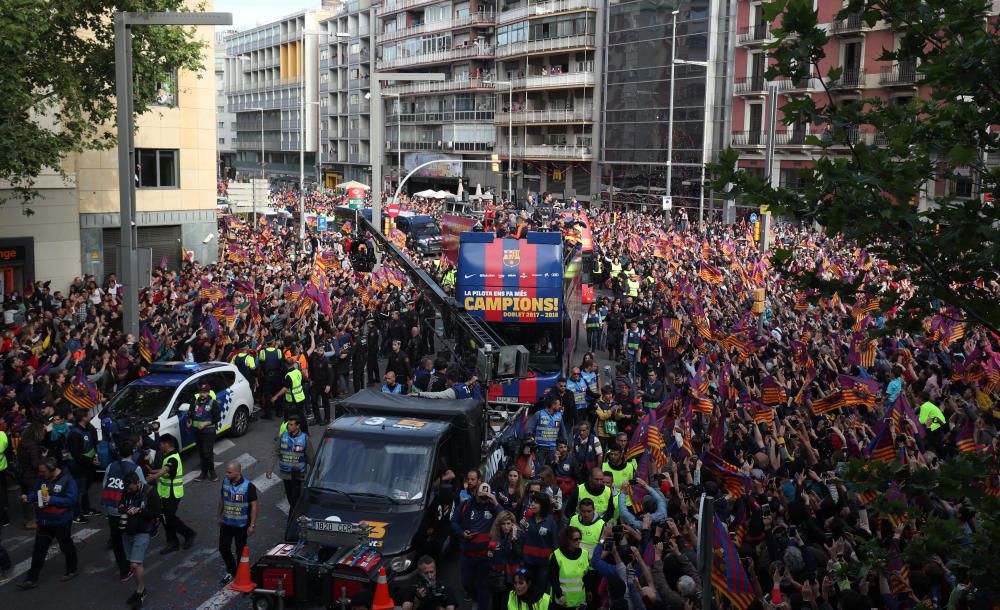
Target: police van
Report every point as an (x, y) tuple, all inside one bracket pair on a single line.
[(167, 394)]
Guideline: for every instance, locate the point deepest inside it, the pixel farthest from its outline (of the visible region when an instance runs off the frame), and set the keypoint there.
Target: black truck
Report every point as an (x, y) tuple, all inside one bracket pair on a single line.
[(380, 466)]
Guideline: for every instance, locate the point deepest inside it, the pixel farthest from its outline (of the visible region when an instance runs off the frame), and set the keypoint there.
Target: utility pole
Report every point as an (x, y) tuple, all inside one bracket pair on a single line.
[(129, 254)]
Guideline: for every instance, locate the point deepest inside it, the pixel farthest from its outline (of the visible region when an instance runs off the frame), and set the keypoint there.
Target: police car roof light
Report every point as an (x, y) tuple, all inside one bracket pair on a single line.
[(174, 367)]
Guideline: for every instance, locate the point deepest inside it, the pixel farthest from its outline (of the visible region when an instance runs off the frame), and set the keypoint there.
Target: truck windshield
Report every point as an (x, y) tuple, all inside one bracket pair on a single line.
[(367, 466), (141, 401), (426, 228)]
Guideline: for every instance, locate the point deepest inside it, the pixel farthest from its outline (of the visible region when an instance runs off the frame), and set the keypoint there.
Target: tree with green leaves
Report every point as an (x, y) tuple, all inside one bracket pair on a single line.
[(57, 79), (875, 161), (876, 158)]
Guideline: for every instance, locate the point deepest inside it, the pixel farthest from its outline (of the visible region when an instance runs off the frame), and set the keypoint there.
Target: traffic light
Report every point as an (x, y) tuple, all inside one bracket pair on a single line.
[(557, 175)]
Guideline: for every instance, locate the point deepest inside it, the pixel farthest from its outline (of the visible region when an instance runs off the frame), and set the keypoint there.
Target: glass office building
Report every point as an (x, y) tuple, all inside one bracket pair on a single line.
[(635, 122)]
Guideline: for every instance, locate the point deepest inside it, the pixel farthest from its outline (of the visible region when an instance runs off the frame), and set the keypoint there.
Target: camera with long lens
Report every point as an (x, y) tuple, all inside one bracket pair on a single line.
[(437, 593)]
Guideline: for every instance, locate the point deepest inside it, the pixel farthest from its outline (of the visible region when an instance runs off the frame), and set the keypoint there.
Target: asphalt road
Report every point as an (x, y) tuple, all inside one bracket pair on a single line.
[(183, 580)]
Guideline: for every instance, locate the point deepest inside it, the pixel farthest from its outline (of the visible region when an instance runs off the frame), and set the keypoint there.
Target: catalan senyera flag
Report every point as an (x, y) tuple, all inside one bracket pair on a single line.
[(862, 351), (859, 391), (800, 302), (209, 291), (735, 482), (772, 393), (901, 411), (293, 292), (710, 273), (761, 414), (954, 332), (728, 576), (671, 332), (965, 438), (830, 402), (640, 437), (700, 403), (881, 447), (81, 392), (148, 345)]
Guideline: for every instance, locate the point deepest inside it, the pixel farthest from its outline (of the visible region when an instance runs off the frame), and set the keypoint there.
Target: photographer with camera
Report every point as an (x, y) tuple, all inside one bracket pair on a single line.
[(472, 522), (427, 593)]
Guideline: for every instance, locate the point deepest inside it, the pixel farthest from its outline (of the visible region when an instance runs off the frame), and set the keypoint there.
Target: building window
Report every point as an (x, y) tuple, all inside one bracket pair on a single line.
[(222, 141), (166, 91), (220, 109), (222, 125), (157, 168), (961, 185)]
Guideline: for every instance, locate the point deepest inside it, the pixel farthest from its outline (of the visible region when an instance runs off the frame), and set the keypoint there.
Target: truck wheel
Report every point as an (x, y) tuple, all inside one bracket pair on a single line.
[(262, 602), (241, 422)]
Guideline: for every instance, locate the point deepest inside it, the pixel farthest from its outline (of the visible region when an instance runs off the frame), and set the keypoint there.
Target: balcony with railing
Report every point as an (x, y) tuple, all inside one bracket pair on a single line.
[(469, 52), (461, 116), (459, 84), (805, 84), (394, 6), (580, 115), (546, 45), (531, 9), (393, 146), (359, 83), (756, 34), (848, 25), (754, 138), (556, 81), (484, 18), (754, 84), (850, 78), (903, 74), (242, 143), (794, 137), (544, 151)]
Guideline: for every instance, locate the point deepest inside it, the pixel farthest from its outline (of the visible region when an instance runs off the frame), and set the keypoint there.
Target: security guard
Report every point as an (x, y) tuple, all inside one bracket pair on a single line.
[(597, 493), (56, 498), (205, 418), (578, 387), (620, 470), (269, 361), (247, 364), (237, 517), (4, 443), (633, 285), (616, 267), (292, 457), (589, 523), (572, 564), (633, 341), (170, 487), (294, 393)]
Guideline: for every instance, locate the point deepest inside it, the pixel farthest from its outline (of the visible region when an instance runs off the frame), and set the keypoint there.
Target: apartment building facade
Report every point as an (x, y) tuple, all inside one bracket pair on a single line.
[(272, 80), (75, 228), (225, 120), (854, 47), (549, 53), (448, 121), (346, 62)]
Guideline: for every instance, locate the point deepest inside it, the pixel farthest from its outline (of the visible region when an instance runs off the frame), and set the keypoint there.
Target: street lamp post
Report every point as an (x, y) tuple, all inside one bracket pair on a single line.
[(261, 110), (123, 22), (510, 133), (670, 120), (399, 135)]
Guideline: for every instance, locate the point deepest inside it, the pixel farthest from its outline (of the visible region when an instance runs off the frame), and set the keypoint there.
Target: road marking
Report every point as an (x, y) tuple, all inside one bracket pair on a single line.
[(245, 460), (223, 446), (23, 566), (220, 600), (283, 506), (262, 483)]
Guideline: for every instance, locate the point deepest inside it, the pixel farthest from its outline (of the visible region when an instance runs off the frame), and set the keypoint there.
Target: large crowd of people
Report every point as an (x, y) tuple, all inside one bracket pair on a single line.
[(723, 377)]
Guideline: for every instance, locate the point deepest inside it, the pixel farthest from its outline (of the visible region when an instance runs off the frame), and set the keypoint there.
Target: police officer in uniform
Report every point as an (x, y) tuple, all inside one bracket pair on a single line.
[(81, 444), (615, 321), (247, 365), (55, 498), (294, 393), (205, 418), (237, 517), (269, 361), (170, 487), (292, 456)]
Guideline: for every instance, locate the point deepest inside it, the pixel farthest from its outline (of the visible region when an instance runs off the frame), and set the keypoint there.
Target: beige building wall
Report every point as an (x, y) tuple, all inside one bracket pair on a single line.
[(189, 127)]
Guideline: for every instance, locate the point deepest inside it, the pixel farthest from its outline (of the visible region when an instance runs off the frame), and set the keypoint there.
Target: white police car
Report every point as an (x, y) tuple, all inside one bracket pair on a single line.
[(167, 393)]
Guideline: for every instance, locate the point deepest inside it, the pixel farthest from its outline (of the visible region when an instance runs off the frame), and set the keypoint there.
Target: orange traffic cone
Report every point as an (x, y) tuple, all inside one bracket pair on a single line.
[(383, 601), (243, 582)]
